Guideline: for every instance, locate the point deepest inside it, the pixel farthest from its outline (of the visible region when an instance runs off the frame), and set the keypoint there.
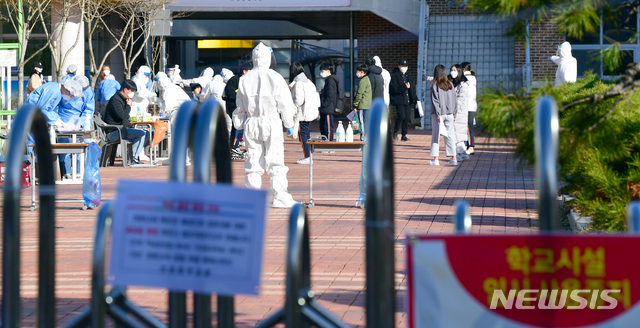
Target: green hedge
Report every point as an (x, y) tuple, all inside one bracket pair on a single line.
[(600, 162)]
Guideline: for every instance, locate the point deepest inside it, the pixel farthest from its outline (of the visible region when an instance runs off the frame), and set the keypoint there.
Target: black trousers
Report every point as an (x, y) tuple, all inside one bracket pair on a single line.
[(304, 133), (403, 113), (471, 118), (326, 126)]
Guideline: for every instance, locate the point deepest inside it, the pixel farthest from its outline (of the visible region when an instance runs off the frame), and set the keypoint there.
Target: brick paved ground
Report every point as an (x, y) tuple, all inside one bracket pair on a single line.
[(502, 199)]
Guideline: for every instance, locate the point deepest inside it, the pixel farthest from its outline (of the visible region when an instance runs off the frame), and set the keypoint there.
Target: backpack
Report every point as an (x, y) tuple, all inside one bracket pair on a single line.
[(341, 98)]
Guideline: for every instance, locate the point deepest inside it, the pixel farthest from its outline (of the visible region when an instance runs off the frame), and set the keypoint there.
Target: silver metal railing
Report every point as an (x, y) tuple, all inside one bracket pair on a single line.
[(380, 236), (28, 119), (212, 138), (546, 146)]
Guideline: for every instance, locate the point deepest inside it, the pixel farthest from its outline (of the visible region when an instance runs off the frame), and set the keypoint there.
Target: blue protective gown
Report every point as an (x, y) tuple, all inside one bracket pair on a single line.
[(69, 112), (68, 76), (107, 89), (47, 97), (88, 104)]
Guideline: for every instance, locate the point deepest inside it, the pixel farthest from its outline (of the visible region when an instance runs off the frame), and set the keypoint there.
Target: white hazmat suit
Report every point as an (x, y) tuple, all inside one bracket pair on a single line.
[(567, 64), (215, 90), (263, 97), (386, 77), (203, 80), (172, 94), (143, 95)]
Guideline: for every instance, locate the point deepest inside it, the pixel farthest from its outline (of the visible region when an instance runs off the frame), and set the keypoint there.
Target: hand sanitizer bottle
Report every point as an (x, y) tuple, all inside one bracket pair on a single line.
[(52, 134), (349, 133), (340, 133)]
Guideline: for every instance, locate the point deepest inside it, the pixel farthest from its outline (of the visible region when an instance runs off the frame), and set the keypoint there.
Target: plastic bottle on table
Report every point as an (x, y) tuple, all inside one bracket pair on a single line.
[(87, 123), (52, 134), (349, 133), (340, 133)]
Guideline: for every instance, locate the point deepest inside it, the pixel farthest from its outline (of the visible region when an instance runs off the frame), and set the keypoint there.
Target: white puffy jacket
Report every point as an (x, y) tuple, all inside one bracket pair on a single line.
[(467, 93), (305, 97)]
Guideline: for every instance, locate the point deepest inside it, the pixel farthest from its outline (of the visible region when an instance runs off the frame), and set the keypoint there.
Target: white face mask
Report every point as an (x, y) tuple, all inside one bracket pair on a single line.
[(130, 95), (404, 69), (39, 70), (454, 74), (324, 74), (106, 72), (66, 97), (360, 75)]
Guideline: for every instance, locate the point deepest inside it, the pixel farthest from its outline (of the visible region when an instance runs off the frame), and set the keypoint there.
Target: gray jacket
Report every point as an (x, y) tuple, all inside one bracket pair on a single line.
[(443, 102)]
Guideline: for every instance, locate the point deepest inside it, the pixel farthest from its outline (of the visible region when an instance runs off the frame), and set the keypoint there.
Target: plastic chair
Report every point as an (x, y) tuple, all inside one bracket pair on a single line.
[(109, 146)]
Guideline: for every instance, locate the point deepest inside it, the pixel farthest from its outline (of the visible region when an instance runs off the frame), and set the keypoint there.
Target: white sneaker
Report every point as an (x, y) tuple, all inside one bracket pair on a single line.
[(283, 200), (452, 162), (143, 157), (464, 156), (241, 144), (459, 158), (305, 160), (434, 162)]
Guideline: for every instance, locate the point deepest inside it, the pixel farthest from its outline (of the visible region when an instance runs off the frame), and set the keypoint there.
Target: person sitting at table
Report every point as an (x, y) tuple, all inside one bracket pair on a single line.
[(117, 113), (106, 89)]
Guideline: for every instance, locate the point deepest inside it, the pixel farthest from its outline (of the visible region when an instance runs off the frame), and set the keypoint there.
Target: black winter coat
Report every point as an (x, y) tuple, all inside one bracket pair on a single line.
[(229, 94), (329, 96), (117, 113), (377, 83), (398, 92)]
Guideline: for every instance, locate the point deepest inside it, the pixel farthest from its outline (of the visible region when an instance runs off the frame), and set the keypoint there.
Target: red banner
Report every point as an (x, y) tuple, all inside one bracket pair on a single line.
[(546, 281)]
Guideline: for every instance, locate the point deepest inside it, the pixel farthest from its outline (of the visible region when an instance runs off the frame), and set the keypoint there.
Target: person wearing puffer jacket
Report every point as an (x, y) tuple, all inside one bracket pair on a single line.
[(471, 105), (462, 113), (307, 101), (386, 78)]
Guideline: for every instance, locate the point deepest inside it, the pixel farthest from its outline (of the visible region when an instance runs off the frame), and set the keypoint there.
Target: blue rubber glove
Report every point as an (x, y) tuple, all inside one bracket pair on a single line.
[(550, 59), (290, 130)]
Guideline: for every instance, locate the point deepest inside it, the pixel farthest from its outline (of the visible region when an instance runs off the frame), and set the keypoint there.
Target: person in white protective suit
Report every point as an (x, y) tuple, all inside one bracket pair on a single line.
[(174, 74), (263, 97), (141, 98), (567, 65), (215, 90), (386, 77), (172, 95), (203, 79)]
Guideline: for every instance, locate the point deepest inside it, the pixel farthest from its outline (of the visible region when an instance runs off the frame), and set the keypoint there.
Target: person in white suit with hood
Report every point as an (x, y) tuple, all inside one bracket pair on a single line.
[(215, 90), (386, 77), (264, 98), (203, 79), (140, 101), (567, 65)]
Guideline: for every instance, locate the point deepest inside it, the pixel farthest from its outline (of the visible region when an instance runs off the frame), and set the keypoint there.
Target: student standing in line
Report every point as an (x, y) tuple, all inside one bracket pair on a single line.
[(363, 98), (328, 100), (455, 74), (443, 109), (306, 99), (403, 97), (471, 104)]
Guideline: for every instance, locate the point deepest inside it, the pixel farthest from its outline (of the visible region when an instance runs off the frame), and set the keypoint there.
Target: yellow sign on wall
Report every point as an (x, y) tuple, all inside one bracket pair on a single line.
[(225, 44)]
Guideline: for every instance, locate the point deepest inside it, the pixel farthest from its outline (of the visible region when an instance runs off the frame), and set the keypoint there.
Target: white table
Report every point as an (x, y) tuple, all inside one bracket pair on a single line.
[(330, 147)]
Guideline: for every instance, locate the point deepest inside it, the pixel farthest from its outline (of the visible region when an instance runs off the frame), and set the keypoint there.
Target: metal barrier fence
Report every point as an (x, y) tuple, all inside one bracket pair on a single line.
[(29, 119)]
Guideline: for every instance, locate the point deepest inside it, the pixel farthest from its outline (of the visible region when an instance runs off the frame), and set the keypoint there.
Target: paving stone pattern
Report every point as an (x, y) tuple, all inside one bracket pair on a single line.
[(502, 199)]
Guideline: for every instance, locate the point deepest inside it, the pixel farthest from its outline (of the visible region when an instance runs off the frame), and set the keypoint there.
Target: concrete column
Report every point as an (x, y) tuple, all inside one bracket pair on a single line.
[(73, 30)]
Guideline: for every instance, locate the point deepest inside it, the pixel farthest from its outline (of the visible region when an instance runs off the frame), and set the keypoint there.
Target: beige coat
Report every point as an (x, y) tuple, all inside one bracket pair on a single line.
[(35, 81)]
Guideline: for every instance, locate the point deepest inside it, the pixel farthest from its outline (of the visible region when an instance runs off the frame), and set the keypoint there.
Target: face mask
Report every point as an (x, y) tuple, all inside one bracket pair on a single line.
[(39, 70), (66, 97), (130, 95), (324, 75), (360, 75), (404, 69), (454, 74), (106, 72)]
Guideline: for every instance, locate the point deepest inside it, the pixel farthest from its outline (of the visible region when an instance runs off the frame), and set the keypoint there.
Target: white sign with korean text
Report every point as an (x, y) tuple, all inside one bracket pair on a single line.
[(8, 58), (179, 236), (261, 3)]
